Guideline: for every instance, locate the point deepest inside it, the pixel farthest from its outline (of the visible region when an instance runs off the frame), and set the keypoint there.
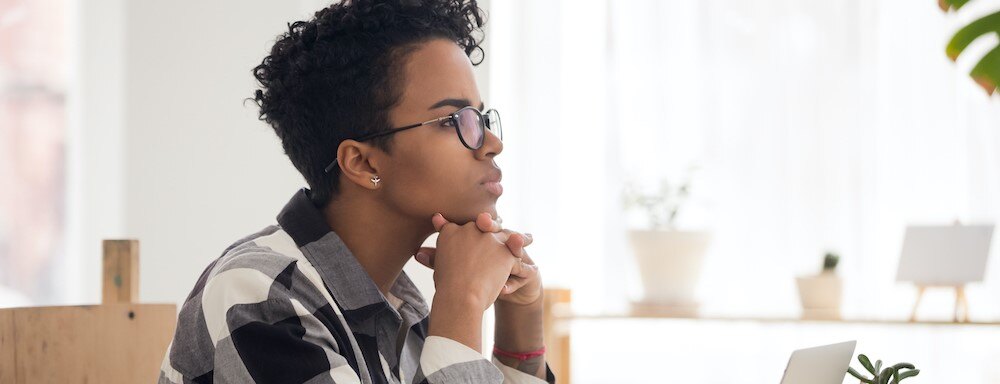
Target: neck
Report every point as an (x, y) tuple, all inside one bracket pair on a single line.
[(382, 240)]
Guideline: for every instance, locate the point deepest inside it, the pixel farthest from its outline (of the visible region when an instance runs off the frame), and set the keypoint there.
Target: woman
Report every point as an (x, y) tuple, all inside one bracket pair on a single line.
[(376, 105)]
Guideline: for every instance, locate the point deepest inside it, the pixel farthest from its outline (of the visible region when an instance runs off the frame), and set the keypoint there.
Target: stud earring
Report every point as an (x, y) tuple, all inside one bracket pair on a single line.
[(375, 180)]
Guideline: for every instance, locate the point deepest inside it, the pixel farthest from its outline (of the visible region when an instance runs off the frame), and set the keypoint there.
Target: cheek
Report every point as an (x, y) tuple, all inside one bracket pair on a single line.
[(439, 179)]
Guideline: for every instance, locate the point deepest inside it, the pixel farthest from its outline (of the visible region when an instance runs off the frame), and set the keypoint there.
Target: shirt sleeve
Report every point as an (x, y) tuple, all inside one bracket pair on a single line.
[(513, 376), (278, 341), (262, 333), (444, 360)]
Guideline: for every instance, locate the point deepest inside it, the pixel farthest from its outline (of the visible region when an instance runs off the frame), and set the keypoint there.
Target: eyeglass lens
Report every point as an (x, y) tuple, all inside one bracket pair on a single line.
[(472, 126)]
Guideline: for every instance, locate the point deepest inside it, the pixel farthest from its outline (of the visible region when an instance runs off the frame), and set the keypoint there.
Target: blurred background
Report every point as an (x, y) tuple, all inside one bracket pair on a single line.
[(775, 131)]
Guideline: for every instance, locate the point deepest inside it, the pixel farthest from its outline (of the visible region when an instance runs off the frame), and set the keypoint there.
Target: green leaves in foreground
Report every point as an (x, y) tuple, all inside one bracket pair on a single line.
[(987, 72), (894, 373)]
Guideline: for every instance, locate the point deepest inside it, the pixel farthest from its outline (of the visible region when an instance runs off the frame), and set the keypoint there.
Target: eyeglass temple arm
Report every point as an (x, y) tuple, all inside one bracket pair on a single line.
[(383, 133)]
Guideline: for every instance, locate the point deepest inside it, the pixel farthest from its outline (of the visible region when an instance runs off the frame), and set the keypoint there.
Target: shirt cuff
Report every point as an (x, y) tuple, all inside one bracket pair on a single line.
[(441, 352), (513, 376)]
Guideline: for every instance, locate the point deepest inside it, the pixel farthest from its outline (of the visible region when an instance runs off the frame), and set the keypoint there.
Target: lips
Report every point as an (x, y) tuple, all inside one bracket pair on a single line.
[(492, 176), (492, 182), (494, 187)]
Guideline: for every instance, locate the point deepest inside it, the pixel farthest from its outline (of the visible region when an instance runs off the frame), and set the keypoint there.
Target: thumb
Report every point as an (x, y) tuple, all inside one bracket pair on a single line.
[(515, 243), (438, 221), (425, 256)]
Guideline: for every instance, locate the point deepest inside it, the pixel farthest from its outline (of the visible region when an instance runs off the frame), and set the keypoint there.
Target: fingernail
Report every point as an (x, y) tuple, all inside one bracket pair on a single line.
[(420, 256)]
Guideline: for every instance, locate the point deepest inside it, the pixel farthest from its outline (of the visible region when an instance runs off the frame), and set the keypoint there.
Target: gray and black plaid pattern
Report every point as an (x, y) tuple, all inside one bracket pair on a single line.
[(291, 304)]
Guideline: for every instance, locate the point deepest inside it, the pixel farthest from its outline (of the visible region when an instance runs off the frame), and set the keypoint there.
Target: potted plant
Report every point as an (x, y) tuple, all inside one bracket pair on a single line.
[(669, 260), (821, 294), (883, 376)]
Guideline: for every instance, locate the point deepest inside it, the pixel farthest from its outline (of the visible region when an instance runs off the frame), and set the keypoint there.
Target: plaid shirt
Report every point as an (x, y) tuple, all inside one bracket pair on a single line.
[(291, 304)]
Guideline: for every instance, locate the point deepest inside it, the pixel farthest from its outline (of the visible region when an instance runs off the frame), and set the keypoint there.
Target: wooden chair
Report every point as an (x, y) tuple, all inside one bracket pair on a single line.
[(557, 342), (118, 341)]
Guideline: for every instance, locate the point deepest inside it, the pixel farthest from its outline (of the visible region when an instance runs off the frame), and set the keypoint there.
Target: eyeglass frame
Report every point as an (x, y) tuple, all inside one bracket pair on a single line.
[(453, 116)]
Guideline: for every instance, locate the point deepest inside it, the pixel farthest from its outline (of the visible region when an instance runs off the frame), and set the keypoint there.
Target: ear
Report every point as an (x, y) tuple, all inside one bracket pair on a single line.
[(358, 162)]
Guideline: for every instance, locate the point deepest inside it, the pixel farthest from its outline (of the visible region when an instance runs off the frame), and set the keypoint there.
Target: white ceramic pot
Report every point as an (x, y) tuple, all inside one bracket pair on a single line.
[(820, 296), (669, 264)]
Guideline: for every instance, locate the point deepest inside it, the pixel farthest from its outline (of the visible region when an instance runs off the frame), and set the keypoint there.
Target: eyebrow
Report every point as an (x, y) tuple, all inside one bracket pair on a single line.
[(457, 103)]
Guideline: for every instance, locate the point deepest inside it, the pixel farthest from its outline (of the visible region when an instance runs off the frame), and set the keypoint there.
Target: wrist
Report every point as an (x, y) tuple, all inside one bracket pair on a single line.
[(504, 310), (519, 328), (454, 317), (538, 304), (520, 356), (457, 299)]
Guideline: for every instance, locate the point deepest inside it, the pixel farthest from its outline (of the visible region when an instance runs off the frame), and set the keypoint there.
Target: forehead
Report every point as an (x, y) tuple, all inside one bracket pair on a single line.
[(437, 70)]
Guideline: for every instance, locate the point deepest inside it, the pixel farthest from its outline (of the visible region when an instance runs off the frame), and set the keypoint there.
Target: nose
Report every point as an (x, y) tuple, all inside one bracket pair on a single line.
[(492, 146)]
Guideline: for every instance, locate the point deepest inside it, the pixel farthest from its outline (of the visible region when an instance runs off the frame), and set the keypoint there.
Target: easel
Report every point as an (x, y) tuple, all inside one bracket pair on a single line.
[(961, 303), (961, 314), (119, 341)]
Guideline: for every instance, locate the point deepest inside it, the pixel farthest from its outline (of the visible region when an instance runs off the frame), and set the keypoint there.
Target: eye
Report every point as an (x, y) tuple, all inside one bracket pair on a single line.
[(448, 123)]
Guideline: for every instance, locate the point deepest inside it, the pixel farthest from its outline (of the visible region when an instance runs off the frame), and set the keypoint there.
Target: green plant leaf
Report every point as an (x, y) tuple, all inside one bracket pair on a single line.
[(906, 374), (951, 4), (969, 33), (878, 365), (987, 71), (867, 364), (903, 365), (858, 376), (885, 375)]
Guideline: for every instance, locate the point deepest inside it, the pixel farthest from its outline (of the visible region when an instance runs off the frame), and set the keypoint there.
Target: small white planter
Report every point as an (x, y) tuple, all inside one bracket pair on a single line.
[(820, 296), (669, 264)]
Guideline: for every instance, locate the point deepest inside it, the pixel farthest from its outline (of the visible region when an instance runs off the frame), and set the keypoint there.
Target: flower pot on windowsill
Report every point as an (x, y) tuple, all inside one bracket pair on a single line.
[(820, 296), (669, 263)]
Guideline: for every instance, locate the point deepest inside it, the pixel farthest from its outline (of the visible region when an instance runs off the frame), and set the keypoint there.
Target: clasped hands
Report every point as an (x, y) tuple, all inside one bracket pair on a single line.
[(478, 256)]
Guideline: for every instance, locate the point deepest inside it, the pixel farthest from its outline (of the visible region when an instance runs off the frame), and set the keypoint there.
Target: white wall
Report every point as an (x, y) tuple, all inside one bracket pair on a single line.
[(165, 150), (201, 171), (94, 144)]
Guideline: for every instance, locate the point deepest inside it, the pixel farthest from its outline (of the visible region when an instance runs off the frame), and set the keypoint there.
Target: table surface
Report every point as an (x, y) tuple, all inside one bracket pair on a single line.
[(567, 315)]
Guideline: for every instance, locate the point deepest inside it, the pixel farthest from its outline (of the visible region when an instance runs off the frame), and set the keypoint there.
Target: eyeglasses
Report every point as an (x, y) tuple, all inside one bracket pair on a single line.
[(469, 123)]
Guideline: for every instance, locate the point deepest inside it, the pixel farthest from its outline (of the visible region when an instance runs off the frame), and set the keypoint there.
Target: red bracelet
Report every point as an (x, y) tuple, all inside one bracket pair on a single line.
[(519, 356)]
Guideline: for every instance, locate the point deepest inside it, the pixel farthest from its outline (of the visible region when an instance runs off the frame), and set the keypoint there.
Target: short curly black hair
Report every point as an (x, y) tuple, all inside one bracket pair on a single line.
[(336, 77)]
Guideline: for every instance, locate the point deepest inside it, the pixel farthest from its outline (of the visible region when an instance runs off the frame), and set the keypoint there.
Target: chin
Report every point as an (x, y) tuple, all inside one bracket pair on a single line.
[(467, 215), (492, 209)]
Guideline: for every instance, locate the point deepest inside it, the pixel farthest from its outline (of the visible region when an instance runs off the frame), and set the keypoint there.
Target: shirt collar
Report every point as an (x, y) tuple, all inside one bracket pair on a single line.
[(347, 281)]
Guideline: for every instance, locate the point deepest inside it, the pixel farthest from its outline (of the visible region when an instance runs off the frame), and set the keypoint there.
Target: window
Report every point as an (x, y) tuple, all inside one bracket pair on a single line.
[(33, 120)]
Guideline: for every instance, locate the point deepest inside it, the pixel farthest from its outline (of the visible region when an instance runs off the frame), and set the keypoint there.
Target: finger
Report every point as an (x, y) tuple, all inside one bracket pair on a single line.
[(425, 256), (515, 243), (513, 284), (524, 270), (505, 234), (502, 236), (525, 258), (528, 239), (486, 223), (439, 221)]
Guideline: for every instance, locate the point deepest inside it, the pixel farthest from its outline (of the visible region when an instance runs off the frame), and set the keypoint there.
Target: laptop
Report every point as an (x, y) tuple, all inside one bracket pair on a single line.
[(819, 365)]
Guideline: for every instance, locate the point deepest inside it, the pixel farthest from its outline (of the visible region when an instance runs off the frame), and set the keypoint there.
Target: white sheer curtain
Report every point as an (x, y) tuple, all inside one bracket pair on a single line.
[(816, 125)]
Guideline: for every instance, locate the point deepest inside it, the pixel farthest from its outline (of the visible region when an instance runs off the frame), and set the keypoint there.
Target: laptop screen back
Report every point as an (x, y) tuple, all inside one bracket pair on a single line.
[(820, 365)]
